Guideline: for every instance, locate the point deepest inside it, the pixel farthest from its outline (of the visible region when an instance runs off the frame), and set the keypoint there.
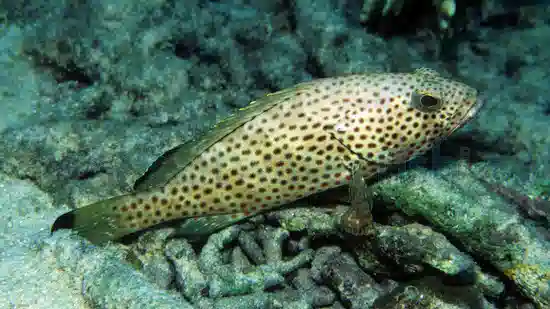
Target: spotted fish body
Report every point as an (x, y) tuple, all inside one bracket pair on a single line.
[(286, 146)]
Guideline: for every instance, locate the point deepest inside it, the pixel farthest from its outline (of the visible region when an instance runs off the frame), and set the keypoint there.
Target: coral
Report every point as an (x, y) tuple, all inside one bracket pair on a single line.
[(317, 296), (332, 45), (455, 202), (412, 246), (19, 99), (149, 253), (310, 220), (29, 278), (104, 279), (224, 280), (429, 292), (409, 246), (517, 271), (536, 207), (192, 283), (253, 250), (355, 288), (446, 9), (322, 256), (415, 243)]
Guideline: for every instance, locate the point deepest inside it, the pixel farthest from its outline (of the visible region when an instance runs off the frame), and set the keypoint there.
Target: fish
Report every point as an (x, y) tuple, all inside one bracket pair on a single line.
[(283, 147)]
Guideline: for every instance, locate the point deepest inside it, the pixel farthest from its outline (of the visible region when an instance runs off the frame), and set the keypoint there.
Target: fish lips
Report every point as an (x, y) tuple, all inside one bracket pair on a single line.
[(470, 113)]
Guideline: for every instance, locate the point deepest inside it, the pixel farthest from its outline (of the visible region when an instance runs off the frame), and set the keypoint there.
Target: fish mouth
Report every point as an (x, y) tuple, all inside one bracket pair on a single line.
[(470, 113), (474, 109)]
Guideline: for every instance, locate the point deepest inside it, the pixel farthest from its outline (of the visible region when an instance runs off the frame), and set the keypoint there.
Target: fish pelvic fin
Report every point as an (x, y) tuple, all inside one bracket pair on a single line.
[(357, 220), (99, 222)]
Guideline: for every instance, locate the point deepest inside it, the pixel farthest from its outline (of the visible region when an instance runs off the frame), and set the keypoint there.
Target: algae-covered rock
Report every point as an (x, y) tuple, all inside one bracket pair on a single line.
[(39, 270), (445, 9), (457, 203), (225, 280), (430, 293)]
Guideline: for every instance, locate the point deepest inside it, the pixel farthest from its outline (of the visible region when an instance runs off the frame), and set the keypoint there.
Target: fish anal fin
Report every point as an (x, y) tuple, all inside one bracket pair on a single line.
[(202, 226)]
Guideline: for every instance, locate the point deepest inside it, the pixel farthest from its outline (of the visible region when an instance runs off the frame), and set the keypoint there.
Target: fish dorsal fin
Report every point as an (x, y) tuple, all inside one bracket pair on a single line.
[(426, 71), (172, 161)]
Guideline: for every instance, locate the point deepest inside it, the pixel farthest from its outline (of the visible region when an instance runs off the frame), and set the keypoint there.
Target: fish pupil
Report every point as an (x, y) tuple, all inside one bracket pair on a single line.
[(428, 101)]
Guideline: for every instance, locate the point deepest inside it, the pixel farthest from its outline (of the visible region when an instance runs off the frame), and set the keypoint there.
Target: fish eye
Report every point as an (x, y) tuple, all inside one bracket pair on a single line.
[(425, 102)]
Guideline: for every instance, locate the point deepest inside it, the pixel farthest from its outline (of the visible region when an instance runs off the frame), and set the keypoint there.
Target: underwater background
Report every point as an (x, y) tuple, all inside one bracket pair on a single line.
[(92, 92)]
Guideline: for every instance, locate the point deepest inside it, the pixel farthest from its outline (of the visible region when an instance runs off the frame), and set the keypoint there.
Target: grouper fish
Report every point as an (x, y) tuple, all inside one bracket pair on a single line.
[(283, 147)]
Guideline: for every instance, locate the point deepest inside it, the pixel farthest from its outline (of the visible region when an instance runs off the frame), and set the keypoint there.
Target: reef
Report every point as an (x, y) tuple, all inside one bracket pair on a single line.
[(92, 92)]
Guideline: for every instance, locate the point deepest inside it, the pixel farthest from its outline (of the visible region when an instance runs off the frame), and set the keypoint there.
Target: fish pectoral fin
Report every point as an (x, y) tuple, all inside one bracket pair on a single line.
[(98, 222), (357, 220), (201, 226)]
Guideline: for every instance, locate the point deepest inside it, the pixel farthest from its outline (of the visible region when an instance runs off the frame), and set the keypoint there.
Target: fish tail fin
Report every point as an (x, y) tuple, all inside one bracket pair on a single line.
[(99, 222)]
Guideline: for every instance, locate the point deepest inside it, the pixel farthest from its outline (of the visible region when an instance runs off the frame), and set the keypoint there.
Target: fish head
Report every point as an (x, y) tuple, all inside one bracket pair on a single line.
[(413, 112)]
